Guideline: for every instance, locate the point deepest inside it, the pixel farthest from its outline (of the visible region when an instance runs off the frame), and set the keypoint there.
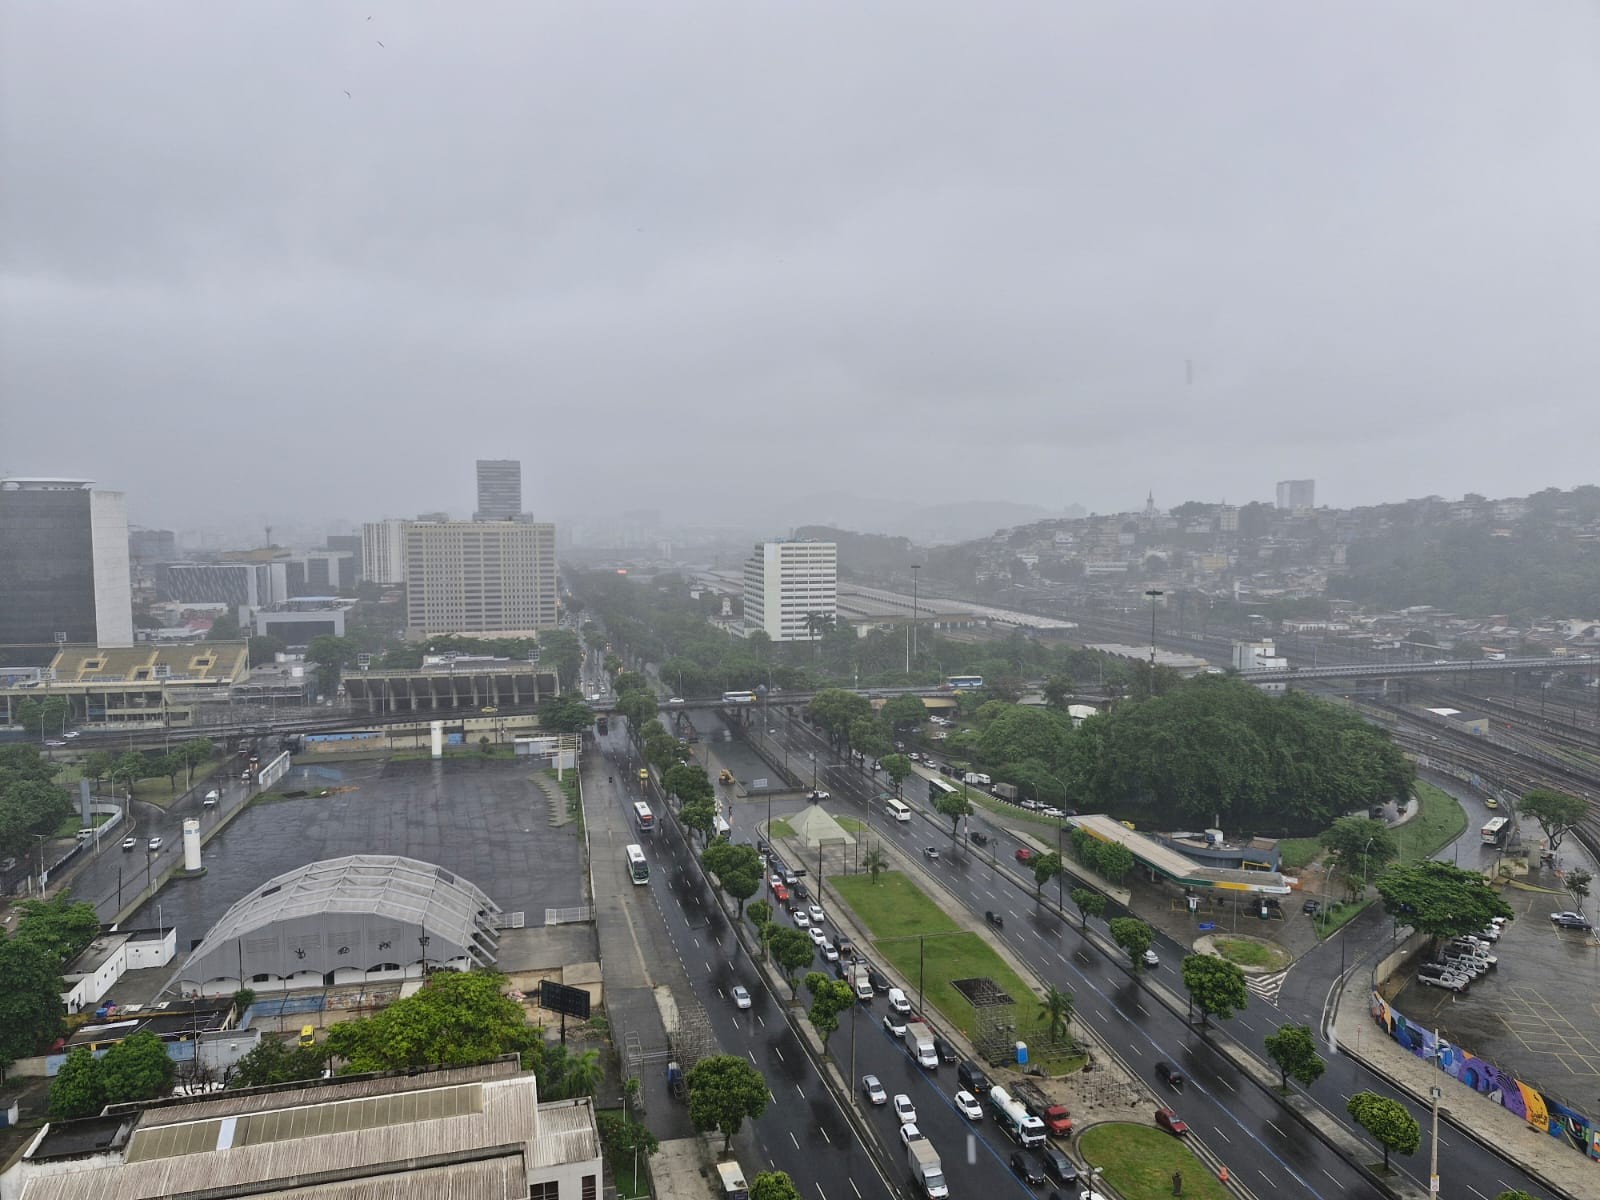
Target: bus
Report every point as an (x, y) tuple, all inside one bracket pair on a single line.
[(643, 817), (964, 683), (637, 866), (938, 788), (732, 1180), (1494, 833), (897, 809), (738, 697)]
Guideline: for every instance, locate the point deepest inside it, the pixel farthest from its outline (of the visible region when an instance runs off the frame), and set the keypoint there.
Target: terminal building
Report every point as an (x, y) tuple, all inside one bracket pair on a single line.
[(143, 686), (1194, 861)]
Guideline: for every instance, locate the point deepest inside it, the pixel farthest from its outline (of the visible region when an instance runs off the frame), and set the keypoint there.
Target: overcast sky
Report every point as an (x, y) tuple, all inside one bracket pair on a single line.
[(705, 255)]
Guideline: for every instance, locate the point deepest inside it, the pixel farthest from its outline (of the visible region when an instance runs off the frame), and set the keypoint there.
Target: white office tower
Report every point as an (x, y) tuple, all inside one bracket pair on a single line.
[(383, 551), (480, 577), (1295, 495), (786, 584)]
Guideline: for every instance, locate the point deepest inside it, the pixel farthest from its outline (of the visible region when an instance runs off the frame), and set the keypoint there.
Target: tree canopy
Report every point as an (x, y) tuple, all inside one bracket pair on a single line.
[(738, 869), (1556, 813), (1295, 1051), (1134, 936), (1390, 1125), (1359, 849), (1440, 900), (276, 1061), (724, 1089), (30, 803), (458, 1019), (1090, 904), (1216, 986)]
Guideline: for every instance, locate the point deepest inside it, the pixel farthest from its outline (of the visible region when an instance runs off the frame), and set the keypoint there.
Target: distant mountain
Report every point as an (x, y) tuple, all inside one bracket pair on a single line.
[(932, 524)]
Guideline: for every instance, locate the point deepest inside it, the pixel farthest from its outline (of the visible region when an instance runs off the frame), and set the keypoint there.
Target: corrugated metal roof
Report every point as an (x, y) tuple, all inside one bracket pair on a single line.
[(497, 1179)]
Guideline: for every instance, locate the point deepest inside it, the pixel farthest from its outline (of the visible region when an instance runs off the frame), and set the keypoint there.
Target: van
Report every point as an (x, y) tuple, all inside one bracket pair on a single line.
[(308, 1035), (972, 1078), (85, 834), (1170, 1075), (211, 799), (898, 1001)]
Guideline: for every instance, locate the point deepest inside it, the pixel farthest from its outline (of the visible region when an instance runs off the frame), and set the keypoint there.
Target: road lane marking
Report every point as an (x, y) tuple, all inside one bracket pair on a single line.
[(801, 1090), (1225, 1083), (855, 1189), (1223, 1136), (1267, 1177), (824, 1134), (820, 1192), (1336, 1182), (778, 1052), (752, 1055), (1140, 1007), (1281, 1133), (760, 1022), (793, 1139)]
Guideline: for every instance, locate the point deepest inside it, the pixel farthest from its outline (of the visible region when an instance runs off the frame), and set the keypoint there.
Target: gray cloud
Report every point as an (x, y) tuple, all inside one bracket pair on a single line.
[(672, 250)]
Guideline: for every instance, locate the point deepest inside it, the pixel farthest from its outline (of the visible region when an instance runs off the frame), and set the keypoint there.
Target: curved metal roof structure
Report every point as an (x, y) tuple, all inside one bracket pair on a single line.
[(361, 912)]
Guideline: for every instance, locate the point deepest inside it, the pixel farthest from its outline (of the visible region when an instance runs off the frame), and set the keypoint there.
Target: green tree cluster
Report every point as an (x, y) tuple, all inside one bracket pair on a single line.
[(1110, 860), (30, 803), (49, 715), (565, 714), (1359, 848), (1216, 986), (276, 1061), (1390, 1125), (830, 998), (1294, 1050), (458, 1019), (1439, 899), (1556, 812), (136, 1068), (724, 1090), (737, 869), (1090, 904), (1134, 936)]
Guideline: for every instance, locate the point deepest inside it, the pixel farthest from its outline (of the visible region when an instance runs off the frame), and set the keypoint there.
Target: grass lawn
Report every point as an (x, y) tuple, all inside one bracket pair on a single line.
[(1010, 811), (897, 909), (1298, 852), (1440, 821), (1248, 952), (780, 828), (1139, 1161), (159, 790), (850, 824), (1337, 914)]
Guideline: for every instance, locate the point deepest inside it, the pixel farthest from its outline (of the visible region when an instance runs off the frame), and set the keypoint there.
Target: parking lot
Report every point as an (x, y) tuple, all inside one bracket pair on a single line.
[(486, 821)]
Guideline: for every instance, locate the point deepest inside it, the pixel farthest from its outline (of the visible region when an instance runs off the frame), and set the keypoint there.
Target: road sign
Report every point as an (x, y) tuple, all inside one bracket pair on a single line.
[(757, 784)]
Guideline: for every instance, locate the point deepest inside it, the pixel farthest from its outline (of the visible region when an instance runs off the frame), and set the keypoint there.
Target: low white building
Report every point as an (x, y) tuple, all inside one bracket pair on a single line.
[(106, 959)]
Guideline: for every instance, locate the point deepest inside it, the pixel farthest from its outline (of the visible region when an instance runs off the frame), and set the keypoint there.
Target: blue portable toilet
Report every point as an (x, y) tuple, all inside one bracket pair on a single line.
[(1022, 1054)]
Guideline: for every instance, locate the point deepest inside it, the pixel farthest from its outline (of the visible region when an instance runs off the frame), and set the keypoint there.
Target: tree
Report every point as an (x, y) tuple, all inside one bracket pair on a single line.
[(98, 763), (897, 767), (332, 655), (40, 717), (561, 649), (1440, 900), (773, 1185), (194, 752), (1514, 1194), (759, 912), (1056, 1012), (1058, 691), (458, 1019), (700, 816), (793, 949), (829, 998), (904, 713), (637, 706), (566, 1076), (60, 926), (30, 1001), (724, 1089), (1045, 868), (1134, 936), (1216, 986), (1295, 1051), (1390, 1125), (76, 1091), (1090, 904), (874, 861), (954, 805), (224, 628), (836, 710), (1556, 812), (565, 714), (169, 765), (867, 737), (737, 869), (1359, 848), (1578, 881), (130, 768), (689, 783), (136, 1068), (1115, 861)]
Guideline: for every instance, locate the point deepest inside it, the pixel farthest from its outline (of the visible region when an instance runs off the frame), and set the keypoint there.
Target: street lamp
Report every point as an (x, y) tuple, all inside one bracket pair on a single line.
[(1154, 594), (915, 567), (1433, 1166)]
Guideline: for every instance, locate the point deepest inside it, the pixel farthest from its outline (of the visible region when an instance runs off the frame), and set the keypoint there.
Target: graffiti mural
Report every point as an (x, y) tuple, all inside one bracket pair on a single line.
[(1549, 1116)]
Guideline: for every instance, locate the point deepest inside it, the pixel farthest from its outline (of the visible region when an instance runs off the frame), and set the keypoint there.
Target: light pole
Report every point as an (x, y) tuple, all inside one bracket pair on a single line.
[(1153, 594), (915, 567), (1433, 1166)]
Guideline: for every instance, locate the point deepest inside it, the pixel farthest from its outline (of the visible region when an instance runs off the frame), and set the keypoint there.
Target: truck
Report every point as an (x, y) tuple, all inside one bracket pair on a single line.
[(926, 1170), (1006, 791), (731, 1176), (861, 981), (1057, 1120), (1020, 1125), (976, 777), (919, 1040)]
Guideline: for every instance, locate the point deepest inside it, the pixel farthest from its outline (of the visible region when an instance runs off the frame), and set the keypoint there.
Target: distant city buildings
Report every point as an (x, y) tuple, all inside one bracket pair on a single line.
[(499, 490), (146, 547), (64, 566), (1297, 494), (480, 577), (786, 584)]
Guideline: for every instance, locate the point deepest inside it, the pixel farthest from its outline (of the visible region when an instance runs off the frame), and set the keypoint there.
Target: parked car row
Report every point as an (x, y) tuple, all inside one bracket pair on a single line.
[(1462, 960)]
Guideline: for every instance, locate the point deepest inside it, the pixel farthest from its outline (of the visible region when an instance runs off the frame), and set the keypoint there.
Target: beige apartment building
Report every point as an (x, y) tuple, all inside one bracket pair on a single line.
[(488, 577)]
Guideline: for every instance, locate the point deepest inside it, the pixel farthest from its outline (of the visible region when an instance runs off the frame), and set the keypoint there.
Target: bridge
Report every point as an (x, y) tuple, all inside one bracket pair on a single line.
[(1394, 670), (782, 699)]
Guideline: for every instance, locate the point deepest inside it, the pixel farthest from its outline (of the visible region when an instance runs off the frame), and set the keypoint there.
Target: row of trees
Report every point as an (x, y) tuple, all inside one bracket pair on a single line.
[(128, 768), (48, 935), (1110, 860), (31, 804)]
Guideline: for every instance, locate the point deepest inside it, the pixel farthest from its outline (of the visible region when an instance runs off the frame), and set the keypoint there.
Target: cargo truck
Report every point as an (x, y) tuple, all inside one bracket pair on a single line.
[(1055, 1116), (1006, 791), (926, 1171), (1020, 1125), (861, 981), (919, 1040)]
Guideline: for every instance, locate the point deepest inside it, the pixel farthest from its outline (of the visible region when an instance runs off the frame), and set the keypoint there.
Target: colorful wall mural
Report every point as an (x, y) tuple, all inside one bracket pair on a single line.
[(1544, 1114)]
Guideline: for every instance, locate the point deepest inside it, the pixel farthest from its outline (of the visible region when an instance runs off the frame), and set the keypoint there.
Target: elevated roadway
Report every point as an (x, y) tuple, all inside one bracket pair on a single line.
[(1396, 670)]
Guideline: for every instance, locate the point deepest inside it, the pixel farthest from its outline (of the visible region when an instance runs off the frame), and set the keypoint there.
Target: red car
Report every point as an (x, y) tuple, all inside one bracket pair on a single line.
[(1024, 854), (1171, 1122), (780, 893)]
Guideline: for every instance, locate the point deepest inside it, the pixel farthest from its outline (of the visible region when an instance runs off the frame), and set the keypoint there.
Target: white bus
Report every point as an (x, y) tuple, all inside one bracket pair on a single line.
[(738, 697), (897, 809), (637, 866), (643, 817), (1494, 833)]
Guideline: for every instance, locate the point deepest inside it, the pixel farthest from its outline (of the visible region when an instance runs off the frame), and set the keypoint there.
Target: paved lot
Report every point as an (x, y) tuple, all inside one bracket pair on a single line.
[(488, 822)]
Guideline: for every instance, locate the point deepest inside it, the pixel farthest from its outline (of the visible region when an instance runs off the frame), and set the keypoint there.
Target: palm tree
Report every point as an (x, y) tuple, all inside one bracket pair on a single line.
[(874, 861), (817, 624), (580, 1075), (1056, 1011)]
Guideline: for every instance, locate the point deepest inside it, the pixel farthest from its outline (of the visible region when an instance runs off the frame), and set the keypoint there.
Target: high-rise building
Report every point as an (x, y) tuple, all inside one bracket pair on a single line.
[(499, 490), (383, 551), (480, 577), (64, 571), (1296, 494), (236, 584), (146, 547), (786, 583)]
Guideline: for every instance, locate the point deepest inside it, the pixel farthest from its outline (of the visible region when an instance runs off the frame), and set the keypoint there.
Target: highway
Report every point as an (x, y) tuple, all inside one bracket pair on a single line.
[(1263, 1146)]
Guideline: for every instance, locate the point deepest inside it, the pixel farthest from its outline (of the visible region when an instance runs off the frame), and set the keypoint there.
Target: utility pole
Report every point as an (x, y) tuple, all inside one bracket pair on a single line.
[(915, 567)]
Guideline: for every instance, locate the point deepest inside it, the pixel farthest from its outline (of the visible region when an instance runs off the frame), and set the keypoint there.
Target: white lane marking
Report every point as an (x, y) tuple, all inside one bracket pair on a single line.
[(1140, 1007), (1335, 1179), (855, 1189), (1100, 1014), (760, 1022), (773, 1094), (778, 1052), (1267, 1177), (801, 1090), (792, 1138), (1223, 1136), (821, 1193), (824, 1134), (1064, 961), (1136, 1049), (1281, 1133), (1225, 1083), (752, 1055)]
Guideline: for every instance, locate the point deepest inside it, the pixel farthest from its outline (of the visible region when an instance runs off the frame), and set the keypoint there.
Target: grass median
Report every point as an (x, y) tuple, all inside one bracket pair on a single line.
[(1140, 1160), (922, 941), (1439, 821)]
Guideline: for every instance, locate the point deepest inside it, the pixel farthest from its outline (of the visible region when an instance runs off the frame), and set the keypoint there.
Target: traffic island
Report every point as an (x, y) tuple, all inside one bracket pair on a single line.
[(1139, 1162)]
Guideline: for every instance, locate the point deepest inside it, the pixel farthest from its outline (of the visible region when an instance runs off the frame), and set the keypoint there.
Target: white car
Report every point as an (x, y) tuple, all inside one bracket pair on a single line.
[(909, 1133), (1150, 959), (830, 952), (130, 843), (904, 1109), (816, 914), (874, 1090), (153, 844), (741, 997), (967, 1105), (818, 938), (801, 921), (70, 734)]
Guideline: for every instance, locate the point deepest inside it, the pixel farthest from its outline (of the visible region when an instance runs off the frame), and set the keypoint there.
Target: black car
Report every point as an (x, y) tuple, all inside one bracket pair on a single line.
[(801, 891), (945, 1051), (1311, 907), (845, 945), (762, 845), (973, 1079), (1026, 1168), (880, 983), (1170, 1075), (978, 837), (1058, 1166)]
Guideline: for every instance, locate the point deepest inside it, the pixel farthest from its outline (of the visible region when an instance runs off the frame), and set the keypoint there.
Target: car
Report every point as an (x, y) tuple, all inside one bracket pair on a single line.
[(802, 919), (894, 1024), (904, 1109), (909, 1133), (1054, 812), (1569, 920), (55, 743), (1026, 1168), (931, 853), (780, 893), (1170, 1075), (1454, 983), (1492, 933), (741, 997), (816, 914), (1171, 1122), (830, 952), (1023, 854), (967, 1105), (762, 845), (979, 838), (1151, 959), (774, 881), (153, 844), (945, 1051), (801, 891), (675, 700), (845, 944), (873, 1090), (1311, 907), (915, 756), (128, 843), (898, 1002), (878, 980), (1058, 1166), (70, 734), (973, 1077), (791, 876)]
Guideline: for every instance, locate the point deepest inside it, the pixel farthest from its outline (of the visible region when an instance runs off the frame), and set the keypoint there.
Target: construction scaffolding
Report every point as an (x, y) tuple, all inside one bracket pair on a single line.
[(691, 1038), (994, 1018)]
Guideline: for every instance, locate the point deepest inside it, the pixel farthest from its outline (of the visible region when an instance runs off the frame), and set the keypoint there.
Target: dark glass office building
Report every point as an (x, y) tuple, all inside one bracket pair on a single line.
[(63, 564)]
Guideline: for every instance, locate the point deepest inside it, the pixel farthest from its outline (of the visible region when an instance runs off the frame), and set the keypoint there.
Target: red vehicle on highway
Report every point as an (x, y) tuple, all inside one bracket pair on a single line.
[(1024, 854)]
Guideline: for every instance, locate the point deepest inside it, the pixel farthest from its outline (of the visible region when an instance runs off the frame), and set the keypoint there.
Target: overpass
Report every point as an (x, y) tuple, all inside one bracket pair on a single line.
[(784, 699), (1395, 670)]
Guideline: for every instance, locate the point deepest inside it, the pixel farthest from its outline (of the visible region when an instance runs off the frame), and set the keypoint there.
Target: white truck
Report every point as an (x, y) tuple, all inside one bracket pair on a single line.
[(919, 1040), (926, 1170), (976, 777), (861, 982), (1020, 1125)]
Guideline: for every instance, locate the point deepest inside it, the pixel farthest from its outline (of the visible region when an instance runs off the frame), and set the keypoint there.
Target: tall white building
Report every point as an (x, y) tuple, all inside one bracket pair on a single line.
[(480, 577), (383, 551), (1294, 494), (785, 583)]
